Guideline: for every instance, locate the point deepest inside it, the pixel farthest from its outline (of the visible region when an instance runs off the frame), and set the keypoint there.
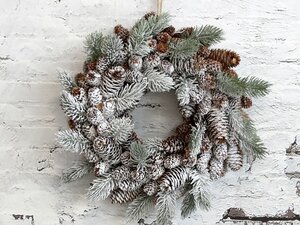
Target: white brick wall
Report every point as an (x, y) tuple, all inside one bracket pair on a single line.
[(39, 37)]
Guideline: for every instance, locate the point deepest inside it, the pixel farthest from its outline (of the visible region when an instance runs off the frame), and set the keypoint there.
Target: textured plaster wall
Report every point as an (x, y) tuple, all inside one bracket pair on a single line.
[(37, 37)]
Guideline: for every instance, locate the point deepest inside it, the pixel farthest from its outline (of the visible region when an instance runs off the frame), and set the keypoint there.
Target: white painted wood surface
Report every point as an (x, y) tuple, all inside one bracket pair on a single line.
[(39, 37)]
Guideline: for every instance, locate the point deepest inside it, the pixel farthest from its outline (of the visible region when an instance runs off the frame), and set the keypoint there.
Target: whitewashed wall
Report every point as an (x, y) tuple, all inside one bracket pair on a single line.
[(38, 37)]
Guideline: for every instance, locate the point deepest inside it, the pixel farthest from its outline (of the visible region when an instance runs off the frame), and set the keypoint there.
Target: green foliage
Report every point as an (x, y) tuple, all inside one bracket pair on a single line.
[(166, 206), (246, 132), (120, 129), (184, 48), (113, 48), (130, 95), (139, 154), (74, 109), (248, 86), (78, 170), (158, 81), (101, 188), (207, 35), (153, 145), (143, 30), (66, 81), (94, 46), (196, 138), (188, 205), (139, 207), (73, 141), (184, 90)]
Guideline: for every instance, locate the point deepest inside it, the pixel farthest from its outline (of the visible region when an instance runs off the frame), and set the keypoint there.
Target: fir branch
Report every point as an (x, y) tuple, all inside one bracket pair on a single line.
[(196, 138), (101, 188), (113, 48), (78, 170), (157, 23), (74, 109), (188, 205), (130, 95), (166, 205), (158, 81), (139, 207), (183, 90), (66, 81), (120, 129), (73, 141), (94, 45), (207, 35), (182, 49), (248, 86), (139, 154), (153, 145)]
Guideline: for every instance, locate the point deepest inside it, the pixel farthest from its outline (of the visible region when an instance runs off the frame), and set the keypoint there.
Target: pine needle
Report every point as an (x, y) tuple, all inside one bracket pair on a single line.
[(182, 49), (78, 170), (166, 205), (139, 154), (158, 81), (188, 205), (120, 129), (101, 188), (94, 45), (139, 207), (196, 138), (248, 86), (66, 81), (207, 35)]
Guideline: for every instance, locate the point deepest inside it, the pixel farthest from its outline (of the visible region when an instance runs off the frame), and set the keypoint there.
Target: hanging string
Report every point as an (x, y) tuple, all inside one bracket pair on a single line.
[(159, 6)]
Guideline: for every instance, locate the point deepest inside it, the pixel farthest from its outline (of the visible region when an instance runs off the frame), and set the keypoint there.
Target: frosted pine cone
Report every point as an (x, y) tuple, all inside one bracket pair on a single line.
[(93, 78), (91, 156), (189, 161), (94, 96), (126, 158), (205, 105), (120, 173), (89, 131), (203, 52), (94, 116), (167, 67), (156, 171), (172, 161), (217, 125), (206, 144), (107, 149), (151, 61), (103, 128), (134, 76), (102, 64), (207, 81), (187, 110), (101, 168), (173, 179), (173, 144), (219, 100), (122, 32), (119, 196), (203, 161), (234, 158), (220, 151), (151, 188), (246, 102), (108, 109), (112, 81), (163, 37), (140, 174), (79, 94), (216, 168), (80, 80), (135, 62), (129, 185)]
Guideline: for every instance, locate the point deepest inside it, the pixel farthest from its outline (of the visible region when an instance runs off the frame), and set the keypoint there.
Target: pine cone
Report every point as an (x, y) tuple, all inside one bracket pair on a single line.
[(94, 116), (217, 126), (79, 94), (203, 52), (107, 149), (230, 72), (93, 78), (134, 76), (129, 185), (135, 62), (151, 61), (121, 173), (220, 151), (162, 47), (163, 37), (205, 105), (173, 144), (158, 158), (172, 161), (119, 196), (107, 108), (216, 168), (125, 158), (91, 156), (72, 124), (151, 188), (206, 144), (89, 131), (94, 96), (152, 43), (112, 82), (89, 65), (122, 33), (139, 174), (226, 57), (103, 128), (203, 161), (167, 67), (170, 30), (187, 110), (208, 81), (149, 14), (189, 161), (219, 100), (80, 80), (234, 158), (183, 131), (173, 179), (246, 102), (156, 171), (101, 168), (102, 64), (184, 32)]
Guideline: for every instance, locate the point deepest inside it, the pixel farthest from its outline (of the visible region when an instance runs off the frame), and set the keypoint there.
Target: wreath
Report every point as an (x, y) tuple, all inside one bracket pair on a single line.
[(215, 136)]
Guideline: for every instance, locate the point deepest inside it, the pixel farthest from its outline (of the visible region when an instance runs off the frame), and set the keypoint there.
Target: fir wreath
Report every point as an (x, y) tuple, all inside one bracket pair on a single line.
[(154, 57)]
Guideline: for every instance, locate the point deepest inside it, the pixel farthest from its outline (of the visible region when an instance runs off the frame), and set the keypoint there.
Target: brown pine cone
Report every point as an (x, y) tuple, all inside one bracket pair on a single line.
[(80, 80), (226, 57), (147, 15), (231, 73), (90, 66), (163, 37), (203, 52), (185, 32), (170, 30), (72, 124), (246, 102), (173, 144), (162, 47), (122, 32), (119, 196)]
